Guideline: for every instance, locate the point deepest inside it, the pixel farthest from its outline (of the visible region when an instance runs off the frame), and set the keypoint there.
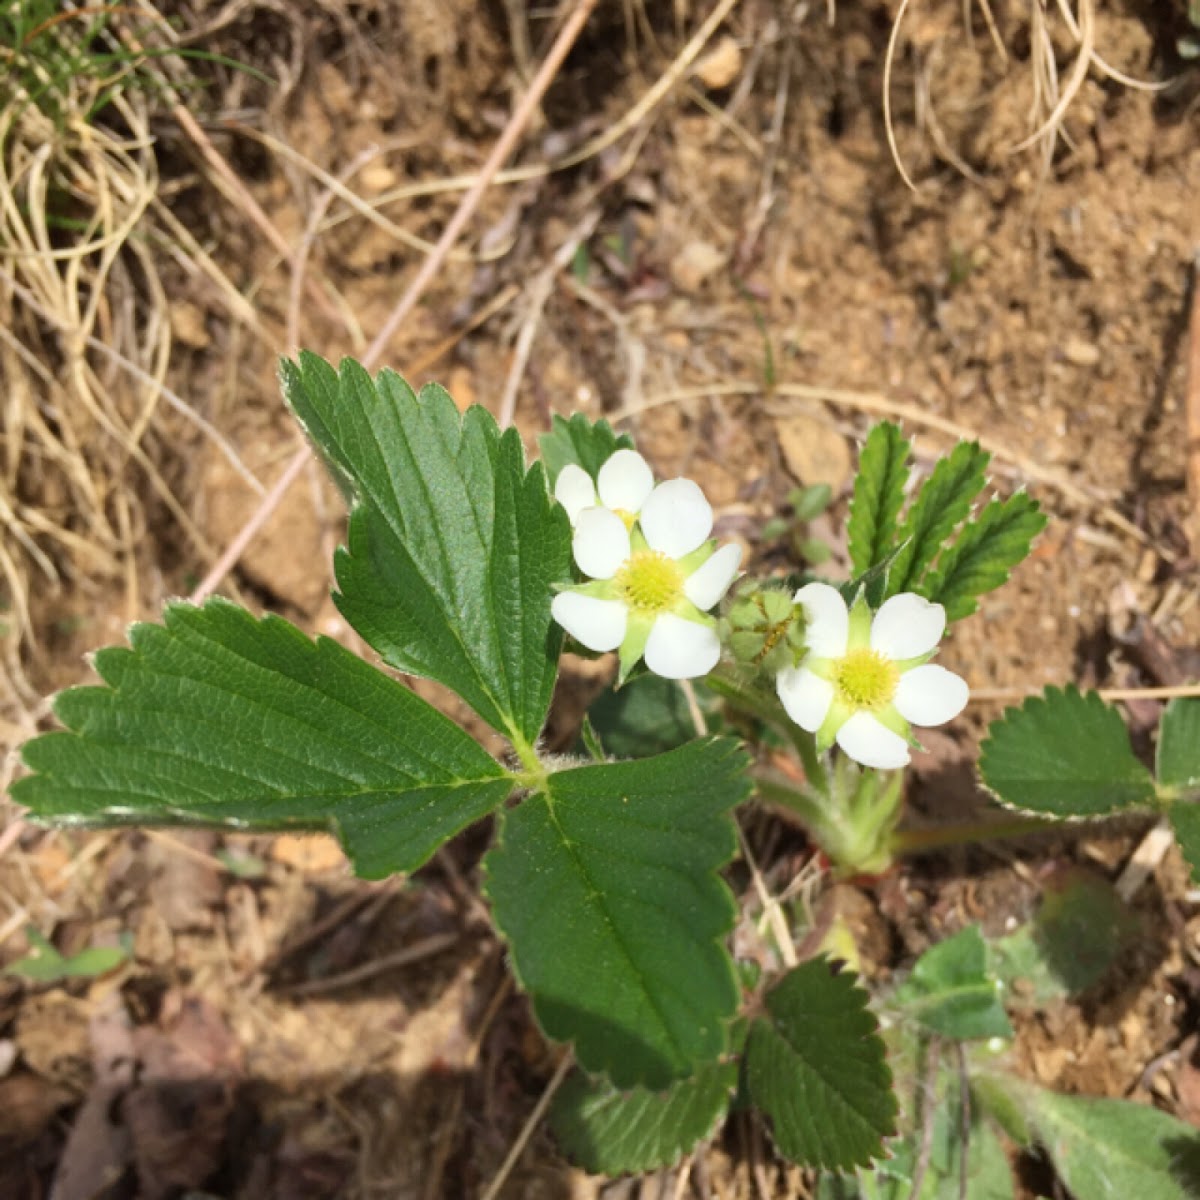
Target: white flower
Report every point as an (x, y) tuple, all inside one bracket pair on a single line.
[(623, 484), (866, 679), (655, 573)]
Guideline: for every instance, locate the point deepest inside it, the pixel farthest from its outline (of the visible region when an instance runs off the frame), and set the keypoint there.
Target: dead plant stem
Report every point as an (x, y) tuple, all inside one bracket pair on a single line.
[(531, 1123), (504, 146)]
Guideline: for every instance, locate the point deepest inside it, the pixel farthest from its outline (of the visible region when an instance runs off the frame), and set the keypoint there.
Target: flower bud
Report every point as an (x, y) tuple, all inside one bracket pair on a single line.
[(765, 629)]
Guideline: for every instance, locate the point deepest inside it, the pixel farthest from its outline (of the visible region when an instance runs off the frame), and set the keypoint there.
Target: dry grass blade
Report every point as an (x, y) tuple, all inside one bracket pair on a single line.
[(85, 335), (1051, 125), (66, 433), (889, 124)]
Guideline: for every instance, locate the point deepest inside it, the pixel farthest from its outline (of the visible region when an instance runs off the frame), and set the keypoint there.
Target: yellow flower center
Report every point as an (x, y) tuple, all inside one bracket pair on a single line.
[(866, 679), (650, 581)]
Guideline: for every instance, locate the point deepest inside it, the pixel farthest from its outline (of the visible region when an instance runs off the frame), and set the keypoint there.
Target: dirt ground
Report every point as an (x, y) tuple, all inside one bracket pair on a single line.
[(740, 276)]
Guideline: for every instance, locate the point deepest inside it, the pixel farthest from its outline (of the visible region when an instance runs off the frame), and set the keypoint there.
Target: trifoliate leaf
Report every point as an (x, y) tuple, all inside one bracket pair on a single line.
[(587, 444), (878, 494), (816, 1068), (453, 544), (215, 717), (984, 555), (1116, 1148), (647, 716), (1079, 931), (1185, 820), (609, 1131), (605, 884), (951, 992), (944, 500), (1178, 760), (1064, 754)]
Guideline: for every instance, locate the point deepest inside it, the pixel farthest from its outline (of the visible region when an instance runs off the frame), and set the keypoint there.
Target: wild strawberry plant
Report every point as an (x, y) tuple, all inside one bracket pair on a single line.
[(466, 565)]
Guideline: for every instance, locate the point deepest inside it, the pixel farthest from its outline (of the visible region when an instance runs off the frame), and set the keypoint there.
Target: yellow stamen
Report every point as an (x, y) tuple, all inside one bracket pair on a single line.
[(650, 582), (866, 679)]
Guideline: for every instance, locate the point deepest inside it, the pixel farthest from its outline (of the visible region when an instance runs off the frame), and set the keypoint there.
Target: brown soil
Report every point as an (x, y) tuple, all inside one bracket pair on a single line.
[(752, 226)]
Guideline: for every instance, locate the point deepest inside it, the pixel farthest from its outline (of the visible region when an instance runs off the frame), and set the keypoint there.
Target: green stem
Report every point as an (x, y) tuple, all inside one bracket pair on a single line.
[(875, 808), (810, 808), (743, 693), (527, 756), (915, 841)]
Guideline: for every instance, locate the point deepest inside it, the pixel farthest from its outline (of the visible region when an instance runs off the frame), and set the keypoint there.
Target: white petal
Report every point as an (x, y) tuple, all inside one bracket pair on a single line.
[(872, 744), (828, 619), (598, 624), (601, 542), (907, 626), (930, 695), (574, 490), (805, 696), (710, 581), (676, 518), (625, 481), (679, 649)]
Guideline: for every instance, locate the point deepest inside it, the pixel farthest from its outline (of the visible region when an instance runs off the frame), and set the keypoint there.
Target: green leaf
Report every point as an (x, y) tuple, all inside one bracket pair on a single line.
[(608, 1131), (951, 992), (604, 883), (1179, 775), (1079, 931), (241, 863), (648, 716), (987, 1171), (984, 555), (1064, 754), (817, 1069), (944, 500), (587, 444), (1178, 760), (453, 544), (218, 717), (838, 1187), (878, 494), (809, 503), (47, 965), (1115, 1148), (1185, 820), (874, 583)]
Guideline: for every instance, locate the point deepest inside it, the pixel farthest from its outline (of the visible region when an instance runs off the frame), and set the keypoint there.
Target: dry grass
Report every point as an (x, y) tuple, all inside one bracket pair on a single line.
[(85, 335), (1064, 32)]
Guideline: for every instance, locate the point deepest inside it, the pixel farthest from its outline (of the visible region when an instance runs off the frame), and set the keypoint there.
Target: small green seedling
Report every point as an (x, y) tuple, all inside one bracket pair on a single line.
[(47, 965)]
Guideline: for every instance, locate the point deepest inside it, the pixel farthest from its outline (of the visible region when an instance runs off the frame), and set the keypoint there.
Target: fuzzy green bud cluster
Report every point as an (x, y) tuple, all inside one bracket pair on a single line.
[(765, 629)]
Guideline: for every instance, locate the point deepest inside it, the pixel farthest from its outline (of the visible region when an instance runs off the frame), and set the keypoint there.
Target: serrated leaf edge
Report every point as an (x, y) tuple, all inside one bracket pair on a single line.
[(1052, 819)]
